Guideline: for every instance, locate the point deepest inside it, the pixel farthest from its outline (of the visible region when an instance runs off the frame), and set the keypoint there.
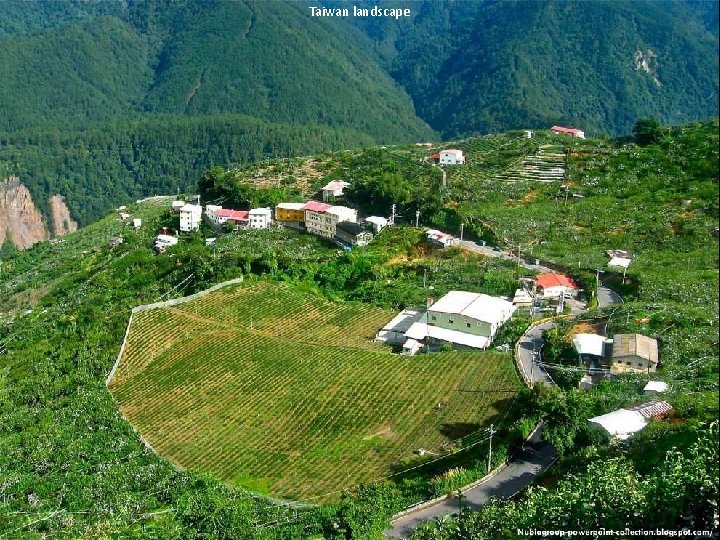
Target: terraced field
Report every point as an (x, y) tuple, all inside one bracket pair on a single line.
[(284, 392)]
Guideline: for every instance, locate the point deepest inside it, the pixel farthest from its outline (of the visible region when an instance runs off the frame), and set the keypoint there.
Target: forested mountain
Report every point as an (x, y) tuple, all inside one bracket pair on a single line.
[(77, 73), (269, 60), (108, 164), (478, 67)]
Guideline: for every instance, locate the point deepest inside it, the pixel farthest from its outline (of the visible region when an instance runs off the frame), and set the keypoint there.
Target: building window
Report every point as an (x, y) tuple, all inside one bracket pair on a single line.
[(434, 318), (467, 324), (640, 364), (450, 321), (629, 363)]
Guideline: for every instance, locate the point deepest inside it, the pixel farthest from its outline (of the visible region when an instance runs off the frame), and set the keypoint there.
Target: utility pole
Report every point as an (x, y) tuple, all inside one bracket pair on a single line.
[(462, 227), (492, 432), (392, 215), (417, 218)]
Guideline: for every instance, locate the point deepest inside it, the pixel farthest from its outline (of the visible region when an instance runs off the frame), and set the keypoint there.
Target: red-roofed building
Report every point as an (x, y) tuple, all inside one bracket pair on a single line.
[(314, 206), (435, 157), (556, 285), (218, 216), (568, 131)]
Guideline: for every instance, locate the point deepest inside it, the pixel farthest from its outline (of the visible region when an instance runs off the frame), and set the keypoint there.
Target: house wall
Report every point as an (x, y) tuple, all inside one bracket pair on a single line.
[(452, 321), (631, 364), (286, 214)]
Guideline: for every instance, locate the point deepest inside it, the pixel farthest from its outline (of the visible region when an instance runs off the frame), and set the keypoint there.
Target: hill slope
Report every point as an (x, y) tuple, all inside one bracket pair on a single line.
[(479, 67), (267, 60)]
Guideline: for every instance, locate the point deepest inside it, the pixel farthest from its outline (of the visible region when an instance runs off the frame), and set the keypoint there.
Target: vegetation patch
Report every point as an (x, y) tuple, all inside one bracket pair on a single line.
[(284, 392)]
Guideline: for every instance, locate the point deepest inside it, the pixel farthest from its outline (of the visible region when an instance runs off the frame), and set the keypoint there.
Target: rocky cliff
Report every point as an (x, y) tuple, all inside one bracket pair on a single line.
[(20, 220), (62, 221)]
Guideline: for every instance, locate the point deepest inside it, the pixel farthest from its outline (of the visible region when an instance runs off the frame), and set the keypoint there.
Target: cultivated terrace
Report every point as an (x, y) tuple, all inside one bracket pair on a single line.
[(72, 466)]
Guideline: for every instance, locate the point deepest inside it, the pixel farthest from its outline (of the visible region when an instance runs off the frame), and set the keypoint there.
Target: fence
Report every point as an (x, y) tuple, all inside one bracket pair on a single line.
[(165, 303)]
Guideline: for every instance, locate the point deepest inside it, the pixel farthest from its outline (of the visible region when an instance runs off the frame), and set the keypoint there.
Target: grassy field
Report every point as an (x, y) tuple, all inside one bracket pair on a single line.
[(282, 391)]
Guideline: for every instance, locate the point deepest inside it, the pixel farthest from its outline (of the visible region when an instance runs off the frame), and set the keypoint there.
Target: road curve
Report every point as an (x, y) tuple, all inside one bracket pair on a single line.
[(526, 466)]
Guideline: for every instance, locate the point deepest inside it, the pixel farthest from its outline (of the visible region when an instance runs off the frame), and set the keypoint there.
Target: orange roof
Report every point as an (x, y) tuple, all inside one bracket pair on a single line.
[(555, 280)]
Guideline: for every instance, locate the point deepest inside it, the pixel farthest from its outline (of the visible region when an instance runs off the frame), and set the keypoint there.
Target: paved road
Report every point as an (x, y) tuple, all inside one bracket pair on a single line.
[(519, 473), (490, 252), (526, 466), (607, 297)]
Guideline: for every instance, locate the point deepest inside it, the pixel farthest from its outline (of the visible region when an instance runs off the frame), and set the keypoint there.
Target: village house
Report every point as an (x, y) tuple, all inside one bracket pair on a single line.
[(451, 156), (217, 217), (393, 333), (556, 285), (322, 219), (568, 131), (177, 205), (333, 190), (462, 318), (291, 214), (259, 218), (136, 223), (190, 216), (633, 353), (352, 234), (623, 423), (377, 223), (441, 239), (164, 241)]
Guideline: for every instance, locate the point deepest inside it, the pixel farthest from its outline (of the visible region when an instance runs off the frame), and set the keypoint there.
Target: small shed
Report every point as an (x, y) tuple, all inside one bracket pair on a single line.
[(655, 387), (411, 347), (136, 223), (633, 353)]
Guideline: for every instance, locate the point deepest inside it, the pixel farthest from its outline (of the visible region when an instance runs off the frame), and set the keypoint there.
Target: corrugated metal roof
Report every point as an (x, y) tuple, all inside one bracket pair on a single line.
[(420, 330), (635, 345), (291, 205), (652, 409), (592, 344), (621, 423), (480, 307)]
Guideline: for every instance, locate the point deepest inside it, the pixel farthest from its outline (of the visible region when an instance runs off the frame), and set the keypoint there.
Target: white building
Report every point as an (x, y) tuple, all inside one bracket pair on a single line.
[(177, 205), (441, 239), (377, 223), (322, 219), (452, 156), (623, 423), (393, 333), (164, 241), (260, 218), (464, 318), (137, 223), (218, 216), (334, 189), (190, 216), (655, 387)]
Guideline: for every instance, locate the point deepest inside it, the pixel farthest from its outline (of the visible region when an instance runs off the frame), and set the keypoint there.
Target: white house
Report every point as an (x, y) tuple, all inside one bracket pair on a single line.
[(377, 223), (463, 318), (556, 285), (568, 131), (164, 241), (190, 216), (218, 216), (177, 205), (334, 189), (441, 239), (136, 223), (260, 218), (452, 156)]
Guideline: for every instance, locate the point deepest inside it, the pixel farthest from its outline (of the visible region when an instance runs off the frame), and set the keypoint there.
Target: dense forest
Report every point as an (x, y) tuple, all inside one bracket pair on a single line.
[(112, 163)]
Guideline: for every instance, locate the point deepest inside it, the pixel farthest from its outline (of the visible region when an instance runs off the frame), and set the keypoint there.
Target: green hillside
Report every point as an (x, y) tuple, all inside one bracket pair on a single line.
[(480, 67), (107, 164), (75, 467), (267, 60)]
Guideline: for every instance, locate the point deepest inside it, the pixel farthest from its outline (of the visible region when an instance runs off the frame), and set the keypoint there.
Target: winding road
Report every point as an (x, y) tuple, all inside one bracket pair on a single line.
[(525, 466)]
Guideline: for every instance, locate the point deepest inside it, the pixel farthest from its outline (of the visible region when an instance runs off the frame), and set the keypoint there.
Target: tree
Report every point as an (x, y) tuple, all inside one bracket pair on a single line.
[(647, 131)]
